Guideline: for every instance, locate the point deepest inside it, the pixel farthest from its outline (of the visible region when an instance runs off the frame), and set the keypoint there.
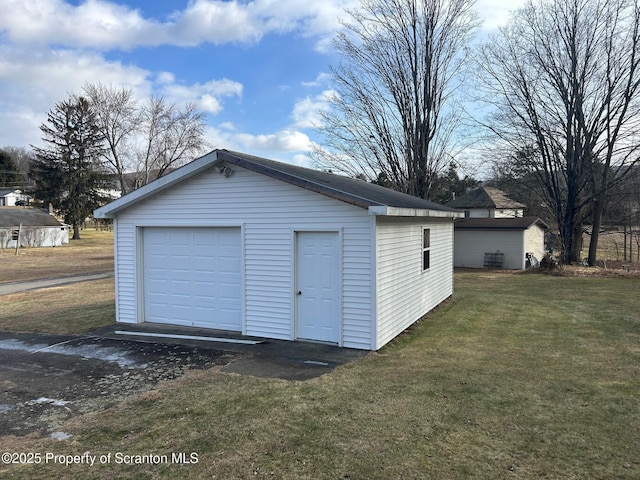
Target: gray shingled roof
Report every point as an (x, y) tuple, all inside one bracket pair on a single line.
[(31, 217), (346, 189), (349, 190), (484, 197), (517, 223)]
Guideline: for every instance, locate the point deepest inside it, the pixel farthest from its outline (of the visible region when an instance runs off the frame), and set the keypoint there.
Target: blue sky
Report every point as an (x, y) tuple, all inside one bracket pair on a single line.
[(259, 69)]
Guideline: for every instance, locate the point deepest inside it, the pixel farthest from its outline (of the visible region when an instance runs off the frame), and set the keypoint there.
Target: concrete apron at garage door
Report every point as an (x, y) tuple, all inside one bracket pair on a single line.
[(261, 357)]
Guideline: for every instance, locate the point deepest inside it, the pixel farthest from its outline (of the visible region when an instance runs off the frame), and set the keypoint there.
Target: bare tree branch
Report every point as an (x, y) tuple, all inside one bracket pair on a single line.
[(146, 140), (392, 113), (563, 76)]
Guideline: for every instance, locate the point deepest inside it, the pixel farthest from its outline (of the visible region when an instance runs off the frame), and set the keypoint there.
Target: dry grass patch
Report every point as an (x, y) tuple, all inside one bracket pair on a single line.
[(93, 253), (67, 309)]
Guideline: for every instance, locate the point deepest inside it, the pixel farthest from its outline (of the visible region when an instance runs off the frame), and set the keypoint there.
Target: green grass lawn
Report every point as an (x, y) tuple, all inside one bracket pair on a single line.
[(517, 376)]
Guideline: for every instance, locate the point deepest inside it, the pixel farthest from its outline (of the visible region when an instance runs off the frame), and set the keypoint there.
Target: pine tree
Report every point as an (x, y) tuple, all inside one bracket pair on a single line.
[(9, 175), (68, 172)]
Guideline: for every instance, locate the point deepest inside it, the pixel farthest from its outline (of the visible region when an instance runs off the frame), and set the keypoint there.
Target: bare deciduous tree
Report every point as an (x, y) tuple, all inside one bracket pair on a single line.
[(391, 116), (118, 117), (145, 139), (563, 76), (170, 137)]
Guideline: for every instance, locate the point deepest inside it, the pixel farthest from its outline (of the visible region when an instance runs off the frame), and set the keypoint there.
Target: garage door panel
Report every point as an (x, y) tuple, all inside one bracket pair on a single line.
[(229, 291), (229, 265), (192, 277), (227, 238)]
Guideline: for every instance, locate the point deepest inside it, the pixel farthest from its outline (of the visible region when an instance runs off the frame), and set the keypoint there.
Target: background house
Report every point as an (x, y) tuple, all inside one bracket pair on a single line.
[(241, 243), (10, 197), (495, 233), (487, 202), (38, 228)]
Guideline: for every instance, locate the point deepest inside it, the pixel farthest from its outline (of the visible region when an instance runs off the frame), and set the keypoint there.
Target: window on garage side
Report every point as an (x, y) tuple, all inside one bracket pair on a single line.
[(426, 248)]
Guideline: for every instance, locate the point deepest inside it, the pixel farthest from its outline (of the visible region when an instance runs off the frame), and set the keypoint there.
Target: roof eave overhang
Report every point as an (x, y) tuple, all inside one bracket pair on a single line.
[(537, 222), (387, 211)]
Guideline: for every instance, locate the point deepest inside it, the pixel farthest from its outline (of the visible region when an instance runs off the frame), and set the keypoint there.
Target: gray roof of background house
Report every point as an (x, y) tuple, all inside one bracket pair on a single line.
[(515, 223), (29, 217), (484, 197), (350, 190)]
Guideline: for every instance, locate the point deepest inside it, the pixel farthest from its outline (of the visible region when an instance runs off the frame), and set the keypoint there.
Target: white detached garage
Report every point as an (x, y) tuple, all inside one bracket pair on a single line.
[(268, 249)]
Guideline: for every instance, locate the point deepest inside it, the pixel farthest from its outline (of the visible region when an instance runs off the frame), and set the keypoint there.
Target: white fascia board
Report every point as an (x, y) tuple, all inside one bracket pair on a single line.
[(384, 210), (110, 210)]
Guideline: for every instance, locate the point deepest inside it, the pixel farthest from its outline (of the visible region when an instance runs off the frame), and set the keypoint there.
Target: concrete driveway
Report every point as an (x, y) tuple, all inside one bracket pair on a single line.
[(46, 379)]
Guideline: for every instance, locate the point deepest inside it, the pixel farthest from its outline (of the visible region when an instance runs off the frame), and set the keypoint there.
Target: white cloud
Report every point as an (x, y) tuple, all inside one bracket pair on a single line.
[(94, 23), (227, 126), (165, 78), (307, 113), (285, 145), (104, 24), (282, 141), (216, 22), (322, 79), (206, 96), (33, 81), (496, 13)]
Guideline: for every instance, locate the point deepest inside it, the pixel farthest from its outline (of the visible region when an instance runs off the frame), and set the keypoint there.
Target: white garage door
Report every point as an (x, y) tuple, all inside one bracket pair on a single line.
[(192, 277)]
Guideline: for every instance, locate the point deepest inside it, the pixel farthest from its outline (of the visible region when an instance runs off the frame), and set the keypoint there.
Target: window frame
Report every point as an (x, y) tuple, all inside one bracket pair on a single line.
[(426, 249)]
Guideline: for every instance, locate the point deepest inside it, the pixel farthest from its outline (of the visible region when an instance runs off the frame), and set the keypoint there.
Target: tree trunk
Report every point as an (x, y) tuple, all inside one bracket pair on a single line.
[(76, 232), (624, 230), (577, 243), (598, 208)]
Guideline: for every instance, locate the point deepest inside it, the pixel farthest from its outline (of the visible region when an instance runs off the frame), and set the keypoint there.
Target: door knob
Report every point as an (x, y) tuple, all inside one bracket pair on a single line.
[(299, 292)]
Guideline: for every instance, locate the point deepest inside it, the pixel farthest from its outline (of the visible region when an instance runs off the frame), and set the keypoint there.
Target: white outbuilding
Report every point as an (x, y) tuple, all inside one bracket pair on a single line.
[(498, 242), (30, 227), (268, 249)]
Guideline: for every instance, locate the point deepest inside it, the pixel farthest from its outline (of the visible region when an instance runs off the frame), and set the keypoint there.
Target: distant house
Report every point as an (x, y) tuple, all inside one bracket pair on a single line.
[(495, 233), (10, 197), (35, 228), (235, 242), (487, 202)]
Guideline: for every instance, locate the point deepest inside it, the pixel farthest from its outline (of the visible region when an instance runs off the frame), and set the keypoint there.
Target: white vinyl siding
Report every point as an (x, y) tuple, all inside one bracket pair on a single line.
[(405, 291), (471, 245), (269, 212), (534, 241)]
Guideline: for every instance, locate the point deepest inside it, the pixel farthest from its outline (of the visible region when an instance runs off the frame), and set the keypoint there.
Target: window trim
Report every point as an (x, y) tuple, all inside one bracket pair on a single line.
[(426, 249)]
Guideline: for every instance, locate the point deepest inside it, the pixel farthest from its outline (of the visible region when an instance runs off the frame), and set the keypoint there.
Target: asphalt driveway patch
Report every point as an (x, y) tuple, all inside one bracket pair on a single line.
[(47, 379)]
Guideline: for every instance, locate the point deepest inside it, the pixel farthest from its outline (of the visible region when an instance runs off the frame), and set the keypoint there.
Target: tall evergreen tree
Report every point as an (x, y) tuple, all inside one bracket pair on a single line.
[(68, 172), (448, 186), (9, 175)]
